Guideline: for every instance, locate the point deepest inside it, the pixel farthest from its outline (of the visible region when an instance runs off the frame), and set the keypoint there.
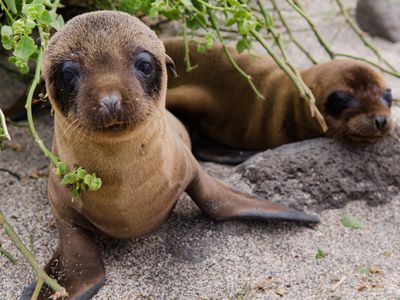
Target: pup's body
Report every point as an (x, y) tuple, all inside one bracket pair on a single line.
[(219, 104), (106, 77)]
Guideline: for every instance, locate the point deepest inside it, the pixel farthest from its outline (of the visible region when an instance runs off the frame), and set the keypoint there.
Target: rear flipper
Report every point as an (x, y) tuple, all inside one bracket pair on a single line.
[(220, 202), (207, 150)]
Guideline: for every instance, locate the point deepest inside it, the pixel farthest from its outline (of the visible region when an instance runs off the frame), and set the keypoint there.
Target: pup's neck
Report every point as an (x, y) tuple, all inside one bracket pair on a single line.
[(97, 152)]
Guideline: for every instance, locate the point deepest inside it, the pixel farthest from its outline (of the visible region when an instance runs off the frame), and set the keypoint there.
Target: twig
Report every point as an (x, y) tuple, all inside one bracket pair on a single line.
[(4, 126), (310, 22), (6, 11), (395, 74), (28, 105), (7, 255), (229, 55), (38, 287), (332, 54), (304, 92), (361, 35), (289, 32), (40, 273), (337, 284), (186, 59)]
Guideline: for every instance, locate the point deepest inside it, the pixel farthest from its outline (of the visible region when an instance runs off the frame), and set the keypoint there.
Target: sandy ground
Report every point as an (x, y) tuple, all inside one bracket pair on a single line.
[(191, 257)]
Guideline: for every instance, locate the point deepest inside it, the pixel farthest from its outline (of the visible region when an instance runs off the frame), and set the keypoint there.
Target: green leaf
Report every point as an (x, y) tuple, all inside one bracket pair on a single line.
[(12, 60), (153, 12), (350, 221), (7, 255), (6, 30), (95, 184), (193, 24), (230, 22), (57, 21), (24, 68), (33, 11), (201, 48), (128, 6), (81, 173), (11, 6), (29, 24), (6, 42), (25, 48), (69, 178), (209, 40), (187, 4), (320, 254), (242, 45), (363, 270), (62, 167), (45, 18)]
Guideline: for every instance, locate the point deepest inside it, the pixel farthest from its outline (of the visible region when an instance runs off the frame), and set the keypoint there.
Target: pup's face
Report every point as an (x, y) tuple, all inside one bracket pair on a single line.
[(106, 71), (357, 104)]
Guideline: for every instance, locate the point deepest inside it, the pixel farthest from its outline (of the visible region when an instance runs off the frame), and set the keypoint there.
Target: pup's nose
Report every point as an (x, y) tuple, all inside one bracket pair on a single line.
[(112, 102), (380, 122)]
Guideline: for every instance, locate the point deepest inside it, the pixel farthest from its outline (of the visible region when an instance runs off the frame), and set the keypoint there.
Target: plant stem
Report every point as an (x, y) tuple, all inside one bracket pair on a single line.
[(186, 59), (395, 74), (229, 55), (40, 273), (7, 255), (361, 35), (304, 92), (28, 105), (4, 7), (289, 32), (38, 287), (321, 40), (4, 126)]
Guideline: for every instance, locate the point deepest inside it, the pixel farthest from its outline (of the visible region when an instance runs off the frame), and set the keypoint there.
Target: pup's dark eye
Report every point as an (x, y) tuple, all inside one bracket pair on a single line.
[(337, 102), (144, 63), (70, 74), (387, 97)]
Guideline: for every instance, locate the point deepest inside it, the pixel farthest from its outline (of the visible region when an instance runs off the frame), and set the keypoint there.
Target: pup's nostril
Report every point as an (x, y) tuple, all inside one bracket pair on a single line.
[(380, 122), (112, 102)]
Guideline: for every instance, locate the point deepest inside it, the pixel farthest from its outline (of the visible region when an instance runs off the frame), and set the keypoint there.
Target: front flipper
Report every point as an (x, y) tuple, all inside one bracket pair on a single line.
[(77, 265), (220, 202)]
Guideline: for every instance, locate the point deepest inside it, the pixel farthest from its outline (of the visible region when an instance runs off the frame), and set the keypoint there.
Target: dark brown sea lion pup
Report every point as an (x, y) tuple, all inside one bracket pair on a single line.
[(217, 102), (106, 78)]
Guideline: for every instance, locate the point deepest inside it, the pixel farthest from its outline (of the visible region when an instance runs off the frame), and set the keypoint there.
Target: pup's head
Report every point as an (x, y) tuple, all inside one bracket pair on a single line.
[(354, 100), (106, 71)]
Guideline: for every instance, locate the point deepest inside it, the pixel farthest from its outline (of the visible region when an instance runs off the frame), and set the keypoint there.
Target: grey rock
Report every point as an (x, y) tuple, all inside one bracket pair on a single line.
[(380, 18), (322, 173)]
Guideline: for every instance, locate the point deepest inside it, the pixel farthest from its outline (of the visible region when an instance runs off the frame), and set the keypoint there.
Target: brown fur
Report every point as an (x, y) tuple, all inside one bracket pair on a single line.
[(218, 102), (145, 165)]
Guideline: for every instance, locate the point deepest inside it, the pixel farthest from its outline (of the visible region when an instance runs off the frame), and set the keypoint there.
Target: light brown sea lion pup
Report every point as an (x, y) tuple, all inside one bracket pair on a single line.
[(218, 103), (106, 78)]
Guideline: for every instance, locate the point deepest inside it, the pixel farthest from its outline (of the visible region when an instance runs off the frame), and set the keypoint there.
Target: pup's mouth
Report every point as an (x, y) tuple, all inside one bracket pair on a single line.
[(115, 126), (365, 140)]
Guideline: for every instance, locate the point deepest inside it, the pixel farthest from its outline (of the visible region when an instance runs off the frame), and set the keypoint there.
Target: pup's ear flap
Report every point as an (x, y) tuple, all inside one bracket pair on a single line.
[(170, 65)]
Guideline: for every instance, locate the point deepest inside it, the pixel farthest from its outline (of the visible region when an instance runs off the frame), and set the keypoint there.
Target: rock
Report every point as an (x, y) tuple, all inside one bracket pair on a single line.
[(380, 18), (322, 173)]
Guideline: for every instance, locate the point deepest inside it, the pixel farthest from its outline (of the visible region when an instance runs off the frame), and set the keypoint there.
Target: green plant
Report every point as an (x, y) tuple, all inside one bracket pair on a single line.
[(37, 17)]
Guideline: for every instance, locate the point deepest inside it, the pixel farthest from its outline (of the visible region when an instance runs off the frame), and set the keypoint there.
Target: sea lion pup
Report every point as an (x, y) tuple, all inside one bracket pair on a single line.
[(106, 78), (218, 103)]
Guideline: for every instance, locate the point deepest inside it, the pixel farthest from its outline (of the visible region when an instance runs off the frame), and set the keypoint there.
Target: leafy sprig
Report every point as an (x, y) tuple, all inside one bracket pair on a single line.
[(19, 35), (78, 180), (39, 15)]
